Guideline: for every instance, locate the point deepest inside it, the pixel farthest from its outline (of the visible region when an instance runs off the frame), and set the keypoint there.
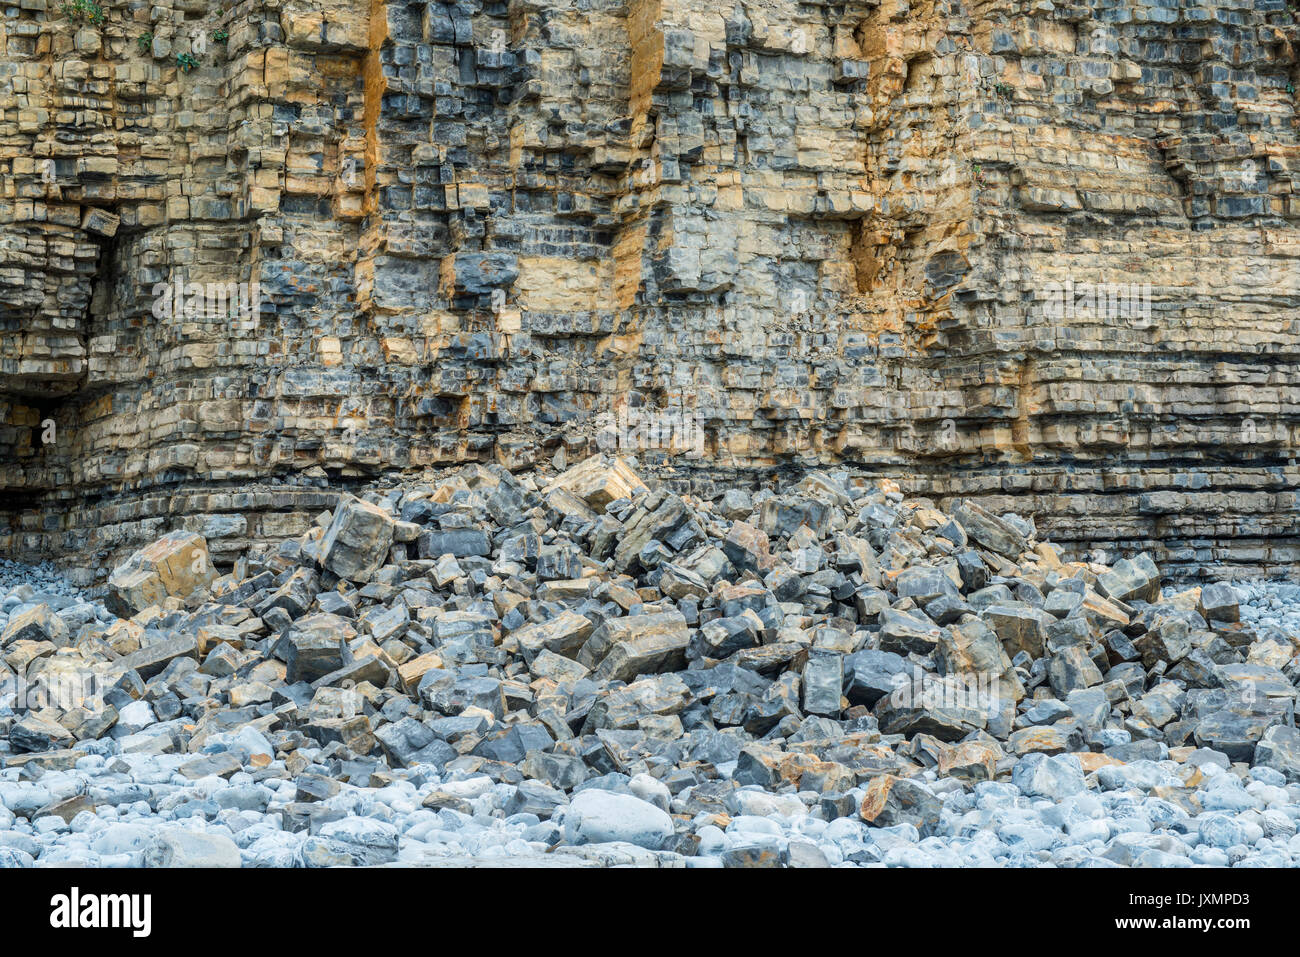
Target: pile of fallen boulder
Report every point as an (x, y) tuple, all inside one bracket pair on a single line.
[(579, 669)]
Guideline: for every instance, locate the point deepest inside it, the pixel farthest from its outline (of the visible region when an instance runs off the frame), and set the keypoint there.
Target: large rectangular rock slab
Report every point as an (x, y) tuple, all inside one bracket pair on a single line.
[(902, 633), (37, 623), (175, 565), (315, 646), (1019, 626), (891, 800), (822, 681), (36, 732), (155, 656), (623, 648), (356, 544), (459, 542), (565, 634), (989, 530), (1131, 579), (1219, 602), (598, 481)]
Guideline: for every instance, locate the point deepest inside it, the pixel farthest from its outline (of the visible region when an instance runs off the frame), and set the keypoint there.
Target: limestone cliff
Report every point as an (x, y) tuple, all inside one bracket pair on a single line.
[(1043, 255)]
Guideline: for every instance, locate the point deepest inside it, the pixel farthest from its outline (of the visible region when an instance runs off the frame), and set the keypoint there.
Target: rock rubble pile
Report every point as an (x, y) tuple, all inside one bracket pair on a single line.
[(578, 669)]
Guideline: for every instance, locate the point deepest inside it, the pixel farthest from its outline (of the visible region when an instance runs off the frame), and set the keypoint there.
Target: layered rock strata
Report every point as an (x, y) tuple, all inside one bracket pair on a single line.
[(1045, 257)]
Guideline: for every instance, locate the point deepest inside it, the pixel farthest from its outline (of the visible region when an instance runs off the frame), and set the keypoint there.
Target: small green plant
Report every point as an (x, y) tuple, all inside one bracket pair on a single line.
[(1004, 90), (84, 11), (145, 42), (221, 36), (186, 62)]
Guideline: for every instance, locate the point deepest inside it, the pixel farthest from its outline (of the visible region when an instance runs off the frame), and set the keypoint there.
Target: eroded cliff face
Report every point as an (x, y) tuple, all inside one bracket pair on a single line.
[(1046, 256)]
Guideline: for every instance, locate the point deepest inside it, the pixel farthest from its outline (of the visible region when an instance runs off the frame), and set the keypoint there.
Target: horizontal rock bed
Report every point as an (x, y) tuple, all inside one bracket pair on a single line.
[(578, 670)]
